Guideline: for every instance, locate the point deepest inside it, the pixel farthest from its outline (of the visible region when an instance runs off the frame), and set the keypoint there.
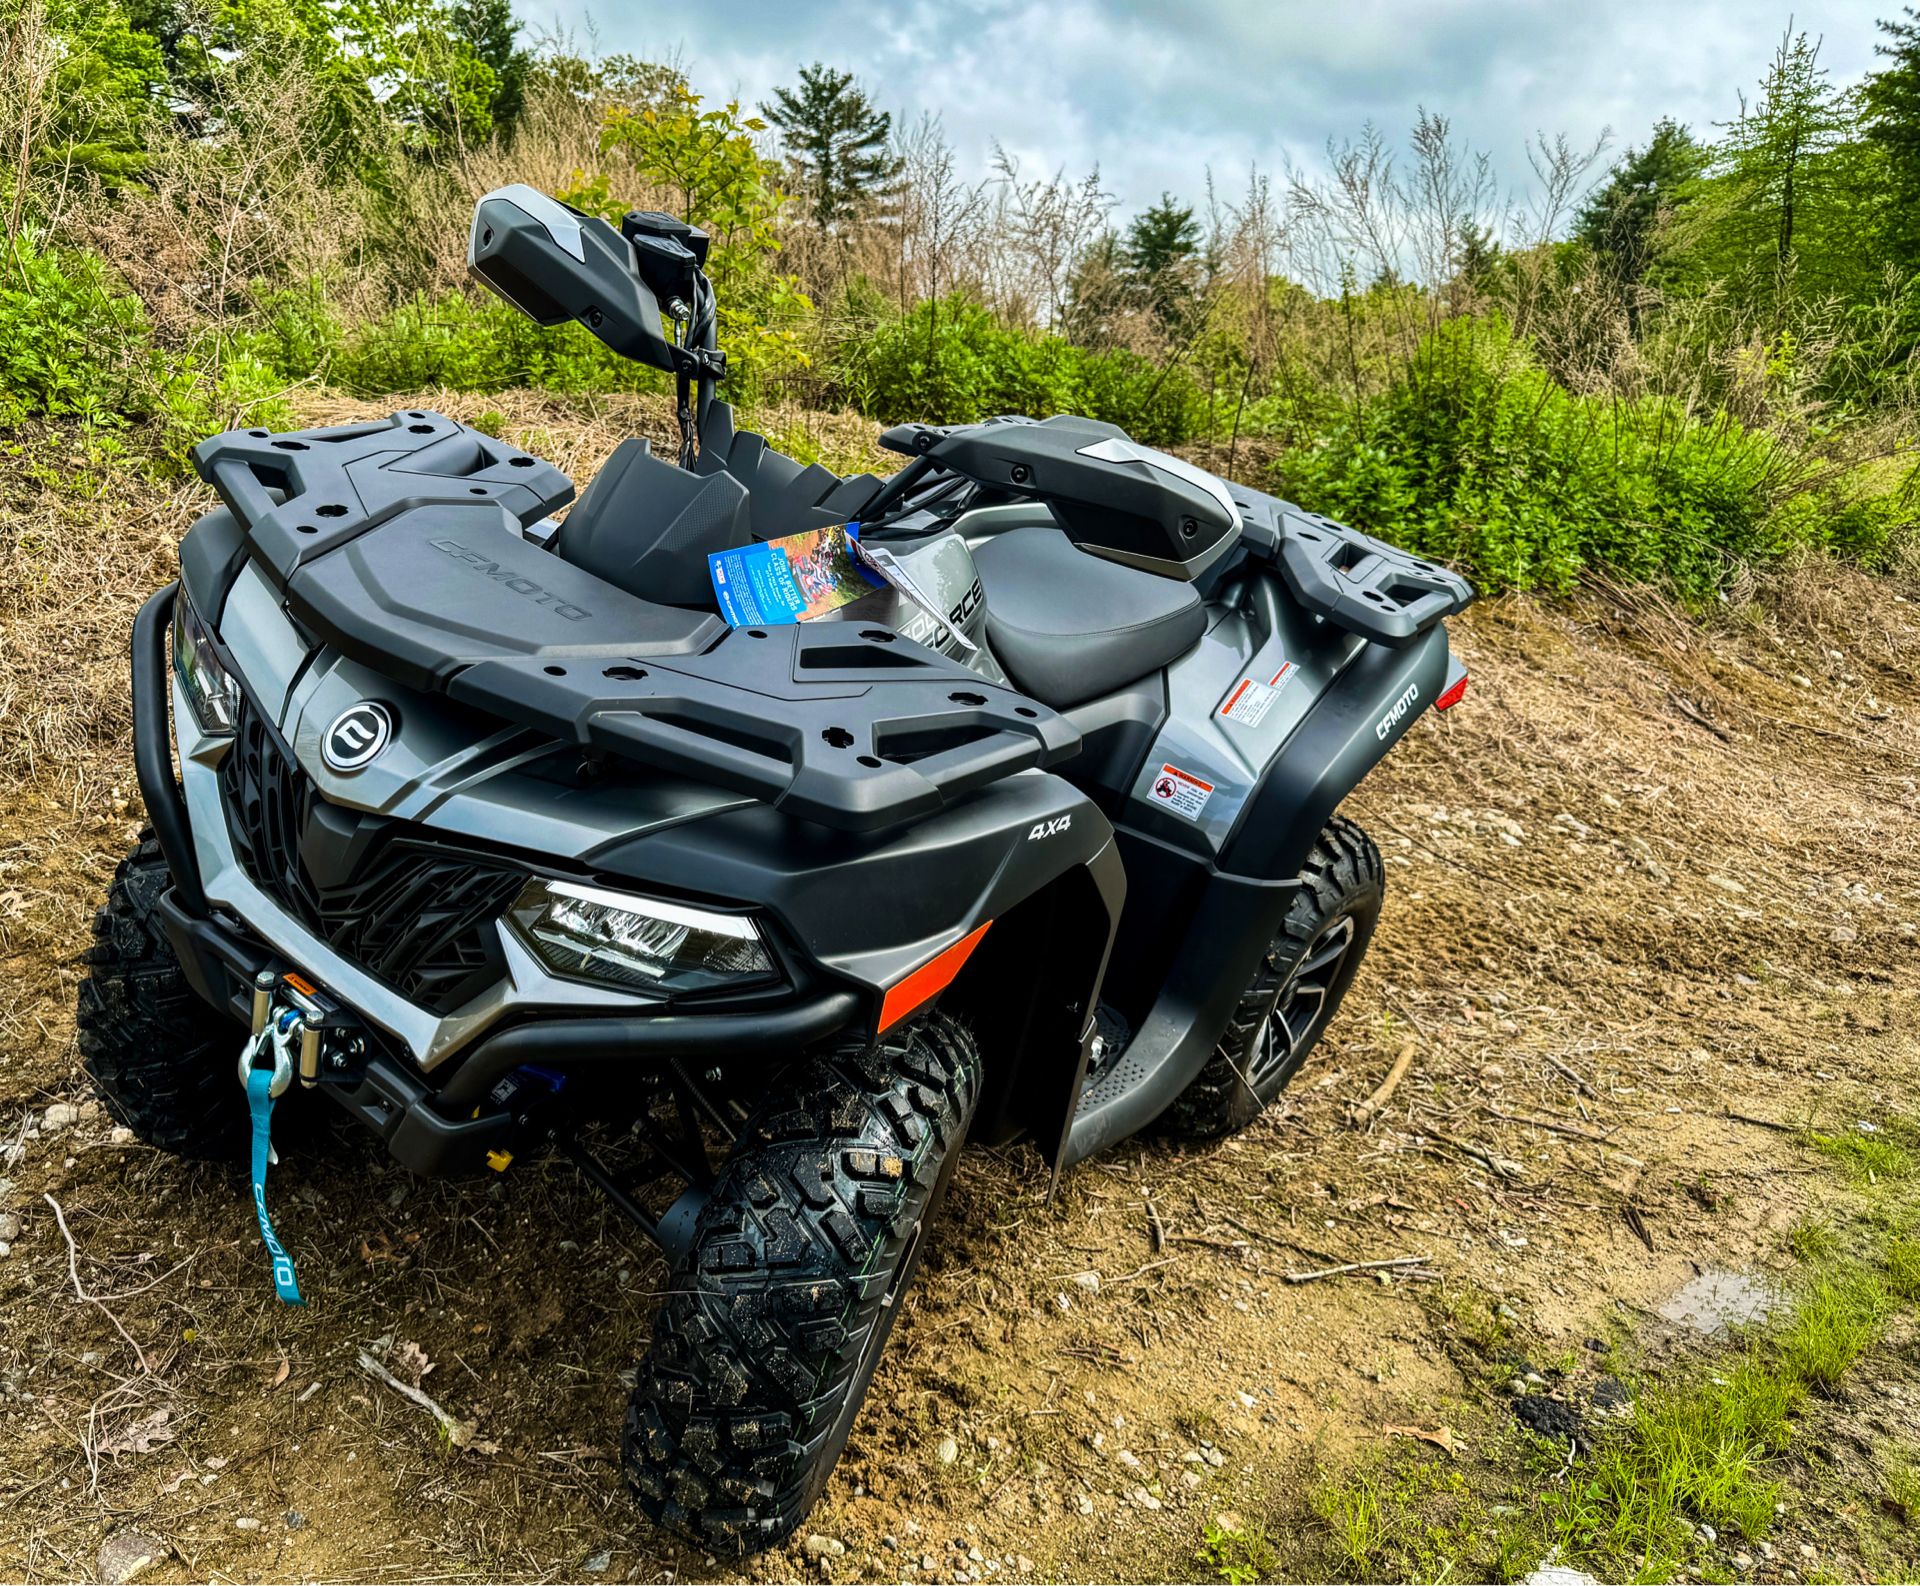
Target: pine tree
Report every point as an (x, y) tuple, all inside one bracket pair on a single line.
[(837, 139), (1622, 221), (1774, 158), (1892, 98), (1160, 253)]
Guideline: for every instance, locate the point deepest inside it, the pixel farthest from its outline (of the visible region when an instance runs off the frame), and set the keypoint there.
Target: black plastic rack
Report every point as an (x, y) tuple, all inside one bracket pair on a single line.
[(400, 542)]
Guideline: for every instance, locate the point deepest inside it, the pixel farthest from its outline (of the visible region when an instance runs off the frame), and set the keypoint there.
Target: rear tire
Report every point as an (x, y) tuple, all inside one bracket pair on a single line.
[(1296, 990), (763, 1351), (162, 1060)]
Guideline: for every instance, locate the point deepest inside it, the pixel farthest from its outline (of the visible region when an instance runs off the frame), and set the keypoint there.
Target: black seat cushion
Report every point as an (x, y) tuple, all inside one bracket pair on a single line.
[(1070, 627)]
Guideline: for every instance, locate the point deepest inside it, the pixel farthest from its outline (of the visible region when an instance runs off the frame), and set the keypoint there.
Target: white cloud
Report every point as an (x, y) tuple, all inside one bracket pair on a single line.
[(1156, 93)]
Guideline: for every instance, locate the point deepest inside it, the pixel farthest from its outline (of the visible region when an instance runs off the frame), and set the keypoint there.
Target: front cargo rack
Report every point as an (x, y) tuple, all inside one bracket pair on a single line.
[(400, 542)]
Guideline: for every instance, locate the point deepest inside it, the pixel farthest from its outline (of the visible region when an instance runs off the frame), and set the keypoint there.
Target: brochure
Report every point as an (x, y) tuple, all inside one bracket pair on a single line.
[(801, 577)]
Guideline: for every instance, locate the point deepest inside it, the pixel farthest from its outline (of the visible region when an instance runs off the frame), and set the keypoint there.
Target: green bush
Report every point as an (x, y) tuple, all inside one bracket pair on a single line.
[(70, 346), (475, 344), (950, 361), (1477, 456)]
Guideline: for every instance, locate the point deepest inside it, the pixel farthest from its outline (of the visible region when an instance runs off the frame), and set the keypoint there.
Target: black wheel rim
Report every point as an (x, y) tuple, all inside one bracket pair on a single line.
[(1300, 1005)]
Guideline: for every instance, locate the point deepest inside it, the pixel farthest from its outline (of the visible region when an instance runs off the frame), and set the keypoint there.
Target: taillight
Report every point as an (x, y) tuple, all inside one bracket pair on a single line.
[(1454, 694)]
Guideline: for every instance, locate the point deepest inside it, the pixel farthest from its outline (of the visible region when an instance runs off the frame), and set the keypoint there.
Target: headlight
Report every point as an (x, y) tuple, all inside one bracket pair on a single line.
[(642, 944), (214, 696)]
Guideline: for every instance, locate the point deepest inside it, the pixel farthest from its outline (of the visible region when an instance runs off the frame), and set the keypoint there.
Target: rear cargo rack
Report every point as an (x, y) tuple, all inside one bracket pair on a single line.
[(1354, 581), (400, 542)]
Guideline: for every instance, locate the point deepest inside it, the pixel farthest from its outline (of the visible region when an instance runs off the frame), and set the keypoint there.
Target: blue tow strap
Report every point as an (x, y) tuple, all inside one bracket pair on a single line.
[(260, 1105)]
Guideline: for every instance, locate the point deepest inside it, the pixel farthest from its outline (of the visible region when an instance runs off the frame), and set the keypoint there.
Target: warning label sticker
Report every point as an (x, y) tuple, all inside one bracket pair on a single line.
[(1249, 702), (1251, 699), (1180, 791)]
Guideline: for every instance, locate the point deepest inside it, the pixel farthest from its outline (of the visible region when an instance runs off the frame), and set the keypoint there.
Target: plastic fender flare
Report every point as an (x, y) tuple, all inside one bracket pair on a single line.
[(1344, 736)]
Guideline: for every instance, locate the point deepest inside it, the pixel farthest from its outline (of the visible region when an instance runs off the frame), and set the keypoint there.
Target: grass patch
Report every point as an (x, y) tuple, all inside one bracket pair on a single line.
[(1706, 1446), (1871, 1154), (1417, 1517), (1812, 1239), (1832, 1327), (1239, 1555), (1901, 1256)]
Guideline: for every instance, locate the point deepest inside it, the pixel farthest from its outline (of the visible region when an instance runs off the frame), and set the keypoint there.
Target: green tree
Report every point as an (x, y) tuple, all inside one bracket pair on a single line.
[(1788, 198), (1161, 252), (489, 29), (1622, 221), (707, 162), (1892, 101), (105, 94), (837, 141)]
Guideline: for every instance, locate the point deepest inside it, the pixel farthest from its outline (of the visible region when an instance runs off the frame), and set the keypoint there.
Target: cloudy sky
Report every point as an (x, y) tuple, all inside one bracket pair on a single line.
[(1155, 94)]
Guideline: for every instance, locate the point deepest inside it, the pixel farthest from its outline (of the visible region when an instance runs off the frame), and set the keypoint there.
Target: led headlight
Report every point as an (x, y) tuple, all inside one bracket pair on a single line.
[(639, 944), (214, 696)]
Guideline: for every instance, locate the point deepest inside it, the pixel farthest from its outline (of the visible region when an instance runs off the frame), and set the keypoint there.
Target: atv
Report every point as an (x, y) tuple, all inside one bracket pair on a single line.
[(493, 830)]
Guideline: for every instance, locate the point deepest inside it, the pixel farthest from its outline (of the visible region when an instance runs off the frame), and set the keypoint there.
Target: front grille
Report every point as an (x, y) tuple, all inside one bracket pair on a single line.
[(412, 914)]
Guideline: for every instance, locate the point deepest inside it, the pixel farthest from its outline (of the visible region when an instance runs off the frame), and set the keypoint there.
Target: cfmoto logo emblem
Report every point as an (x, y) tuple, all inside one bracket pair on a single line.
[(357, 736)]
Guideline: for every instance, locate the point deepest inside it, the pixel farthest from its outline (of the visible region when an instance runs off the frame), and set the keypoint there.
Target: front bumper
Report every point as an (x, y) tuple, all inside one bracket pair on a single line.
[(431, 1115)]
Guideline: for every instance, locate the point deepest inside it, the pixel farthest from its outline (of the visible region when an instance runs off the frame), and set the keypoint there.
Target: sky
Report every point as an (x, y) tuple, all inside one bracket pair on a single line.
[(1156, 94)]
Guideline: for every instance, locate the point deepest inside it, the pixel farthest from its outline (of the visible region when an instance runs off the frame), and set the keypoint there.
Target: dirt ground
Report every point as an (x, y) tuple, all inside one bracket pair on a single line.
[(1650, 875)]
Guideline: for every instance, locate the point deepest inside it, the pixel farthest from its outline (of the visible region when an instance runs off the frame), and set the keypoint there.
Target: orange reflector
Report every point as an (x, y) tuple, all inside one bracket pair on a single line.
[(929, 980), (300, 983), (1452, 696)]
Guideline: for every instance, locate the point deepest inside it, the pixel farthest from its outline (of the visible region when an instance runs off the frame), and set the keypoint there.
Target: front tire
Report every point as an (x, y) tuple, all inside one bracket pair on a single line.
[(1295, 992), (161, 1059), (764, 1349)]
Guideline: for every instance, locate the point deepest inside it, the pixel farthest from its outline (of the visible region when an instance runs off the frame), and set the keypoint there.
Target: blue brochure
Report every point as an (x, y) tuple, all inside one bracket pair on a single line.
[(793, 579)]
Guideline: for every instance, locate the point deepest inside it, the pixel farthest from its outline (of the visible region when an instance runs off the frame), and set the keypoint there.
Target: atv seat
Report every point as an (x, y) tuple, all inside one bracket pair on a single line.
[(1070, 627)]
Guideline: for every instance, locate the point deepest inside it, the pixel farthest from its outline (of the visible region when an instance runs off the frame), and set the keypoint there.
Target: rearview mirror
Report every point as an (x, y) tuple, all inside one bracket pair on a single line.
[(555, 264)]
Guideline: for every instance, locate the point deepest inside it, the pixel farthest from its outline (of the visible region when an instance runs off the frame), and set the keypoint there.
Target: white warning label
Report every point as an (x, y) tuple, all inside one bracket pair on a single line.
[(1251, 699), (1180, 791), (1249, 702)]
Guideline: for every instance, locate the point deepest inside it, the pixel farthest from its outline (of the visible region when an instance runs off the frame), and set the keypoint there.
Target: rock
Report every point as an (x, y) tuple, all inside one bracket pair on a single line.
[(1517, 1386), (296, 1521), (947, 1451), (1742, 1561), (1808, 1550), (818, 1546), (1546, 1417), (246, 1522), (120, 1134), (9, 1227), (1535, 1380), (1145, 1499), (5, 1250), (1766, 1550), (598, 1563), (1190, 1478), (1227, 1520), (1551, 1574), (1024, 1565), (125, 1554), (1213, 1457), (1130, 1460), (1084, 1503), (1090, 1281), (61, 1115), (1706, 1533)]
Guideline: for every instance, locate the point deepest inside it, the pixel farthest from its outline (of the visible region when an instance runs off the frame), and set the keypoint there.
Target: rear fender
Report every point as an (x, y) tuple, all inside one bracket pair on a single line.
[(1349, 730)]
